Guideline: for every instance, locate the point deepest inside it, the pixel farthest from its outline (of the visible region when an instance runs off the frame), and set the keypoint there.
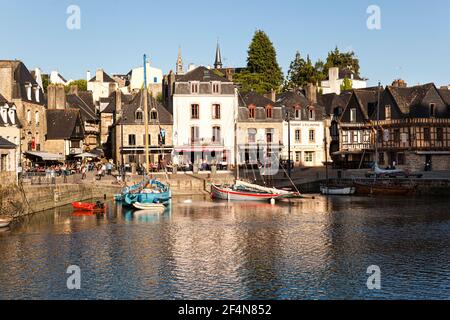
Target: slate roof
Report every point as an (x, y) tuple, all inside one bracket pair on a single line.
[(292, 99), (106, 78), (445, 95), (5, 144), (22, 76), (130, 107), (2, 100), (87, 112), (367, 99), (260, 102), (111, 107), (201, 74), (61, 124), (406, 97)]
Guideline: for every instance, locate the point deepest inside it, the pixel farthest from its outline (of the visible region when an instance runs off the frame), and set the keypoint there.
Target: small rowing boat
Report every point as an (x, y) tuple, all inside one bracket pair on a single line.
[(86, 206), (336, 190), (149, 206)]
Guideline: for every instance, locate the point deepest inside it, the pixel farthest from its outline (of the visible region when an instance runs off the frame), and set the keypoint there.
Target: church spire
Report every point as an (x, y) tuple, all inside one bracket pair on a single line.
[(218, 61), (179, 68)]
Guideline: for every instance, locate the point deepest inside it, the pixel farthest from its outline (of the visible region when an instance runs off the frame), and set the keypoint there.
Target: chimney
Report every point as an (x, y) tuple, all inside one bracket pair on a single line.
[(311, 93), (333, 73), (6, 82), (118, 101), (88, 76), (273, 95), (99, 75), (399, 83), (56, 96)]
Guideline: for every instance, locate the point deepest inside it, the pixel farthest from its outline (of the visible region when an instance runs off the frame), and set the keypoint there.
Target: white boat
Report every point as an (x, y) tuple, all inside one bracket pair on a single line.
[(149, 206), (329, 190), (5, 222)]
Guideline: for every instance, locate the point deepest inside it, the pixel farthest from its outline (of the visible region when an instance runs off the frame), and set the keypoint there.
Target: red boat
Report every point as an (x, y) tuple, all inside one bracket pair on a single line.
[(86, 206)]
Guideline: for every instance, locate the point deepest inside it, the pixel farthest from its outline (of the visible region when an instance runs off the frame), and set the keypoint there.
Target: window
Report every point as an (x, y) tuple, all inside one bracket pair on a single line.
[(139, 115), (297, 112), (432, 110), (36, 118), (397, 135), (366, 136), (216, 111), (312, 135), (387, 112), (29, 116), (311, 114), (298, 156), (269, 112), (194, 87), (353, 115), (77, 129), (153, 115), (309, 156), (195, 133), (401, 159), (131, 139), (440, 134), (155, 79), (162, 137), (251, 112), (269, 135), (75, 143), (355, 136), (426, 134), (149, 139), (252, 135), (298, 136), (131, 158), (195, 111), (216, 134), (379, 135), (216, 87)]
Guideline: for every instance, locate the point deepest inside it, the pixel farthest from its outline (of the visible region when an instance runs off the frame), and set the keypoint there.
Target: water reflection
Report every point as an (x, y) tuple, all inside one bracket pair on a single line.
[(197, 249)]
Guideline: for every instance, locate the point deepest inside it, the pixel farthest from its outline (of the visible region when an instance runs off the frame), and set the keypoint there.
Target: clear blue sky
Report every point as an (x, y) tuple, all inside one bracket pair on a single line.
[(413, 43)]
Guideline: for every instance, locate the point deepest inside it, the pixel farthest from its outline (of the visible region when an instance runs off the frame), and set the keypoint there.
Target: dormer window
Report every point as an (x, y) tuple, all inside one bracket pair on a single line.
[(251, 112), (353, 115), (3, 114), (194, 87), (297, 112), (12, 115), (311, 114), (28, 87), (432, 110), (216, 87), (387, 112), (139, 115), (153, 114), (36, 94), (269, 112)]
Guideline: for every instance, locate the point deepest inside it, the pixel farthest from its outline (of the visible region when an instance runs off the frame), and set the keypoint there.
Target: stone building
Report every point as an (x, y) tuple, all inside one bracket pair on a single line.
[(9, 141), (307, 128), (101, 86), (19, 87), (260, 130), (128, 131), (204, 110)]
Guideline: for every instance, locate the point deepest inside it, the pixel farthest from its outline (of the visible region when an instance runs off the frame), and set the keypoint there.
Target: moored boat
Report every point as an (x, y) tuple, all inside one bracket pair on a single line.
[(337, 190), (384, 188), (152, 191), (87, 206), (149, 206)]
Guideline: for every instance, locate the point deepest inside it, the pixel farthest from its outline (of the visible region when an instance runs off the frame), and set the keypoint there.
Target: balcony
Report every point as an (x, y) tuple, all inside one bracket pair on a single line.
[(73, 151), (205, 142)]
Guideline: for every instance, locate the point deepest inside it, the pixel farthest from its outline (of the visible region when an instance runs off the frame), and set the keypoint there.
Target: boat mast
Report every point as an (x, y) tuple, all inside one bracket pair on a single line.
[(145, 92), (377, 129)]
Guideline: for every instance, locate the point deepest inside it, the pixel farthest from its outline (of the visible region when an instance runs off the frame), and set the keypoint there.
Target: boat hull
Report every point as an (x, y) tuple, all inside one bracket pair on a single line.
[(337, 190), (223, 193), (4, 223), (149, 206), (382, 189), (164, 195)]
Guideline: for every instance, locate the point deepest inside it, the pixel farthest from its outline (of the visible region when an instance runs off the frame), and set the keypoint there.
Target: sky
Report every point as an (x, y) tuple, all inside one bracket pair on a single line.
[(412, 43)]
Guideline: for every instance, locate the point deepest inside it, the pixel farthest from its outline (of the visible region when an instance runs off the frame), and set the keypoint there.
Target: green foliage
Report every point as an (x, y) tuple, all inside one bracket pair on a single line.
[(81, 84), (159, 97), (342, 60), (346, 85), (45, 82), (301, 72), (263, 72)]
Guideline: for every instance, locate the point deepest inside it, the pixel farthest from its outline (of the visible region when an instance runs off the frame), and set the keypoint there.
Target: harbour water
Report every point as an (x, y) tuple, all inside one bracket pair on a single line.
[(306, 249)]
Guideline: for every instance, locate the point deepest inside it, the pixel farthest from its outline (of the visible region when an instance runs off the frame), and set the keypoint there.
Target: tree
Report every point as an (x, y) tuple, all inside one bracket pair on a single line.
[(347, 84), (301, 72), (342, 60), (81, 84), (263, 72)]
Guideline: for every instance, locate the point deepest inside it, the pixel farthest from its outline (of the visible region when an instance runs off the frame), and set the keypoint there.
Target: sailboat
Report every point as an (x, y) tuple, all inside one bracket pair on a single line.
[(148, 192), (245, 191)]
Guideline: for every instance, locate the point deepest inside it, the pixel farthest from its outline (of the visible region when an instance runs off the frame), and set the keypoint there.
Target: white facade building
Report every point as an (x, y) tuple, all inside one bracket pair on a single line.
[(307, 130), (204, 112), (336, 79), (101, 86), (57, 78), (154, 78)]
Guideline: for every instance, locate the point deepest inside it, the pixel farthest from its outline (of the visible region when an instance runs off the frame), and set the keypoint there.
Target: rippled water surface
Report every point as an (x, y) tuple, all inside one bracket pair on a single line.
[(308, 249)]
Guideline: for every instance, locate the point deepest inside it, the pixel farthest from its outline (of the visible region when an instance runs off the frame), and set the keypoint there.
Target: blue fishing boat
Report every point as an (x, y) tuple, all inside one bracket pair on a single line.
[(147, 192)]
